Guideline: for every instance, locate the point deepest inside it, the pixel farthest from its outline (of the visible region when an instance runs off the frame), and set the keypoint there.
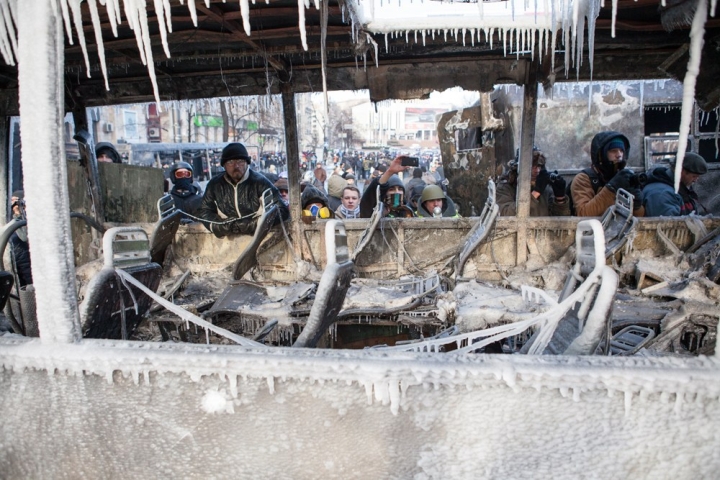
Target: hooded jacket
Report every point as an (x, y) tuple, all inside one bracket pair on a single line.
[(223, 200), (590, 197), (369, 200), (109, 149), (660, 199), (335, 185), (449, 209)]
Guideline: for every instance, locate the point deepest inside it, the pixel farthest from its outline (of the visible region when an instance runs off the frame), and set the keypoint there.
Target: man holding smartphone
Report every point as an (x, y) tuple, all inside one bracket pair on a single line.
[(392, 192)]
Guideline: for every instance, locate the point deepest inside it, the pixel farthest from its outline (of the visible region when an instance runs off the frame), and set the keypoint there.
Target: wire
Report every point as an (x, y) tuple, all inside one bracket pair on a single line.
[(231, 220), (492, 253)]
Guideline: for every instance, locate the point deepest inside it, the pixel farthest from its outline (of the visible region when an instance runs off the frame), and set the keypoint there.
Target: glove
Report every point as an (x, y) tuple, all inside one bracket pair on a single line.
[(559, 185), (541, 181), (637, 199), (624, 179)]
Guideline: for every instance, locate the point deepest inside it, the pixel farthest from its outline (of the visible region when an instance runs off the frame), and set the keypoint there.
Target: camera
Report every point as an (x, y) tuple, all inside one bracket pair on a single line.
[(554, 176), (19, 203), (410, 161)]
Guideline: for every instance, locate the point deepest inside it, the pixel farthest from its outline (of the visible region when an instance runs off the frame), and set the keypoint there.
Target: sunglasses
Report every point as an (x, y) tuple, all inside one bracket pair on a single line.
[(235, 163), (182, 173)]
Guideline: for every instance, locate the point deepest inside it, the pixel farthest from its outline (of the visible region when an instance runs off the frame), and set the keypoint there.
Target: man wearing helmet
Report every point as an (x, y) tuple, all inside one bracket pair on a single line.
[(547, 195), (434, 203), (185, 193), (593, 190), (236, 194), (392, 193)]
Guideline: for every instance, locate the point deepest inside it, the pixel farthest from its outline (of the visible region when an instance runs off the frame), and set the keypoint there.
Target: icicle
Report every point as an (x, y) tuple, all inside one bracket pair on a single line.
[(696, 44), (160, 11), (77, 20), (628, 402), (98, 39), (191, 8), (245, 14), (614, 15), (66, 21), (301, 23), (323, 50)]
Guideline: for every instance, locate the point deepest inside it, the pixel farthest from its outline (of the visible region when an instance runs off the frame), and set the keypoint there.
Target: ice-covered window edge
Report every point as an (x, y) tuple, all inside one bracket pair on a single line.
[(385, 377)]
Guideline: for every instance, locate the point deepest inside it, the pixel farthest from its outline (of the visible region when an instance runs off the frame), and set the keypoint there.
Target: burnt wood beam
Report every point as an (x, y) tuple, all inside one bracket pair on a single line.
[(527, 140), (181, 36), (239, 33), (638, 26)]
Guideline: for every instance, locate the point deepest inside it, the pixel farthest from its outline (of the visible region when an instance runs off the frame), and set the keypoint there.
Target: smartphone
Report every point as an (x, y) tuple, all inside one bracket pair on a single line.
[(410, 161)]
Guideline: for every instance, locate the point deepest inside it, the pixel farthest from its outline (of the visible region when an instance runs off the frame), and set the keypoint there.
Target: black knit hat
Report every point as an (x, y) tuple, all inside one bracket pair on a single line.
[(234, 151), (694, 163)]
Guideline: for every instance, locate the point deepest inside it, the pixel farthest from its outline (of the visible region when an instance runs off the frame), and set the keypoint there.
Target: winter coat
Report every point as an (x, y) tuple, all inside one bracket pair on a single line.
[(543, 206), (223, 200), (449, 209), (660, 199), (590, 196), (588, 203), (188, 201)]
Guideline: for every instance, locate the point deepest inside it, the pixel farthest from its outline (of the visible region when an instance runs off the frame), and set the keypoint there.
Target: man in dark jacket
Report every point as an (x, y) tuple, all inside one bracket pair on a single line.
[(233, 199), (659, 197), (593, 189), (185, 193)]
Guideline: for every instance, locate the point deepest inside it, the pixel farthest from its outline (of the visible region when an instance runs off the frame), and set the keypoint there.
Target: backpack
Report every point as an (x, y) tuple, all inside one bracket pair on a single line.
[(595, 181)]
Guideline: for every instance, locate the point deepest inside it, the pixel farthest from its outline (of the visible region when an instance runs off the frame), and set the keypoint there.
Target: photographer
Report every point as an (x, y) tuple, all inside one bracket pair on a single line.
[(19, 247), (547, 197), (593, 190)]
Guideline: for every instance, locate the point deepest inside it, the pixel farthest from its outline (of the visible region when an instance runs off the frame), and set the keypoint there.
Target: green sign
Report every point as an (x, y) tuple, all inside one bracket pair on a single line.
[(207, 121), (251, 125)]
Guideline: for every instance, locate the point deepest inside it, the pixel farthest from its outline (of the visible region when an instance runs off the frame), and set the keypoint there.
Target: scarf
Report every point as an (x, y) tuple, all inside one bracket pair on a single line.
[(350, 214)]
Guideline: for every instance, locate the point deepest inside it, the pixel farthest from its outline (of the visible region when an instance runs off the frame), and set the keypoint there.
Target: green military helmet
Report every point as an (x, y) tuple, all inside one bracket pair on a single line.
[(432, 192)]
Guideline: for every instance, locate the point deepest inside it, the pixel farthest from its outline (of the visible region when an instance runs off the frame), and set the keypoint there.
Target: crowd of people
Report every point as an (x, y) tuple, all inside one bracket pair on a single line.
[(338, 190), (358, 181)]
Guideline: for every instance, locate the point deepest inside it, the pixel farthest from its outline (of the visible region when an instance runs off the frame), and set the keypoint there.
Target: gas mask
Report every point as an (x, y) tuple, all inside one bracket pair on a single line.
[(317, 212)]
